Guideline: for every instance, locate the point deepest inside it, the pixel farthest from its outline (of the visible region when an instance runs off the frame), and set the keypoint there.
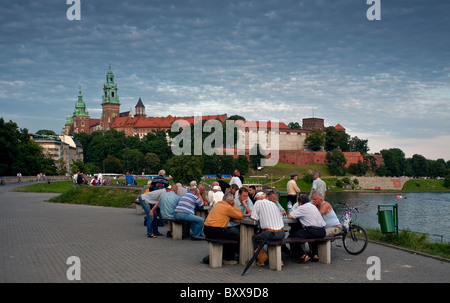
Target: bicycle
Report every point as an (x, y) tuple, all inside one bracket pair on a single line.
[(354, 237)]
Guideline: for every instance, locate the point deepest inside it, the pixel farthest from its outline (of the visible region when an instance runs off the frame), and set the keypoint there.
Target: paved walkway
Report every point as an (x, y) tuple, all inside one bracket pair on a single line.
[(37, 238)]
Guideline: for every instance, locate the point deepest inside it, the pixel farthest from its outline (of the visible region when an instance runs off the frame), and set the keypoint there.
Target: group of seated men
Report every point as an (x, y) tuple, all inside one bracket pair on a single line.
[(177, 202)]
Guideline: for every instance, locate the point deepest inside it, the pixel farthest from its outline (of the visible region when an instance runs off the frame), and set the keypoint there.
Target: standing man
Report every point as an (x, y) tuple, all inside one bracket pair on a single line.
[(223, 185), (318, 186), (216, 226), (236, 179), (292, 189), (160, 181), (129, 179), (100, 178)]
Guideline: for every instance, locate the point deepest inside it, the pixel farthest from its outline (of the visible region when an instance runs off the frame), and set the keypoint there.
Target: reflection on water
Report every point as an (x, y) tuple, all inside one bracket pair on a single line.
[(420, 212)]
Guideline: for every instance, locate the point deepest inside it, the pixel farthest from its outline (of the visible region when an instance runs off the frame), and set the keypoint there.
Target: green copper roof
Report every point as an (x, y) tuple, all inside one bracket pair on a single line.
[(110, 89), (80, 107), (69, 120)]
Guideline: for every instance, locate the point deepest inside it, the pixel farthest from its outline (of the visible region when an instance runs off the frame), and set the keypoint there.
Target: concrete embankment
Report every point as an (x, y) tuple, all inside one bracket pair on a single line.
[(385, 183)]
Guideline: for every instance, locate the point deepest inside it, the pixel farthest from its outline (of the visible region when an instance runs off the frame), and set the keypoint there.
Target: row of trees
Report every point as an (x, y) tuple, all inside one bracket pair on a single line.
[(395, 164), (112, 151), (331, 139), (18, 153)]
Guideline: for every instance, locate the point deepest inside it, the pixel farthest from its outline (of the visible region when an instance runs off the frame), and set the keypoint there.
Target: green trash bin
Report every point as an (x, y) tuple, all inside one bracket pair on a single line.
[(386, 220)]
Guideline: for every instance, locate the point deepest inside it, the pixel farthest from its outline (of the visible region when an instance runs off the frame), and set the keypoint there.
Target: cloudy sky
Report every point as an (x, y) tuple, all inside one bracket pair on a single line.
[(386, 81)]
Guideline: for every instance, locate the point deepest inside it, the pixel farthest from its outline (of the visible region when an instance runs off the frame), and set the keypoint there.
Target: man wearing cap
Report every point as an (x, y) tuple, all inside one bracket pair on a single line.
[(270, 221), (259, 196), (215, 195), (292, 189)]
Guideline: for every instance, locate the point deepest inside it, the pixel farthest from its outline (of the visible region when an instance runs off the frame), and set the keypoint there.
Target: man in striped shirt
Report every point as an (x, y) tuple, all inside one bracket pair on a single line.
[(185, 210), (270, 221)]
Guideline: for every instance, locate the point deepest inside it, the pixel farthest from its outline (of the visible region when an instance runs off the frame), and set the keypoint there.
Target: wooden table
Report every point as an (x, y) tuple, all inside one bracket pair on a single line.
[(247, 230)]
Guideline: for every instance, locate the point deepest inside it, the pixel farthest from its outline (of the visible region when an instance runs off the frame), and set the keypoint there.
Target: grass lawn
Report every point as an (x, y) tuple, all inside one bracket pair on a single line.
[(424, 185), (89, 195), (53, 187)]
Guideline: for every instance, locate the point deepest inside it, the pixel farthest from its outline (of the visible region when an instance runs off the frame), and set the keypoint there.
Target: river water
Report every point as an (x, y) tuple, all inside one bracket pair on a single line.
[(426, 212)]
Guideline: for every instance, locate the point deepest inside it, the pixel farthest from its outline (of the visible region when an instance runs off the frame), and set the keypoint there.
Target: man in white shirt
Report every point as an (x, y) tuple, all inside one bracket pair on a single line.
[(313, 226), (100, 177), (236, 180), (318, 186), (270, 221)]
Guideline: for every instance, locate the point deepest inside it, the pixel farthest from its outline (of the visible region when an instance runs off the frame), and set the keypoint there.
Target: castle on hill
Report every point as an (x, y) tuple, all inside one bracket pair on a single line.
[(290, 143)]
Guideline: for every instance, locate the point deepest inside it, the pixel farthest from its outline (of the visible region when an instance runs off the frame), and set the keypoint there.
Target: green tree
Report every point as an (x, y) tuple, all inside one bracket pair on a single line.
[(242, 163), (336, 139), (336, 162), (419, 165), (112, 165), (19, 153), (226, 164), (315, 140), (436, 168), (294, 125), (156, 142), (256, 156), (358, 169), (132, 160), (358, 145), (370, 162), (151, 164), (394, 160), (186, 168), (210, 164)]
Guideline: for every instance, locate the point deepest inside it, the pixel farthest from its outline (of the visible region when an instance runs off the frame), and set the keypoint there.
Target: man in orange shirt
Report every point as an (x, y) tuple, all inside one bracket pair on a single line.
[(215, 226)]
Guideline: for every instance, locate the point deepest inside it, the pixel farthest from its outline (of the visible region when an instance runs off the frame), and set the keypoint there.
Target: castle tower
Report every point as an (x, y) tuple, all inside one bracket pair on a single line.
[(110, 101), (80, 116), (68, 127), (140, 109)]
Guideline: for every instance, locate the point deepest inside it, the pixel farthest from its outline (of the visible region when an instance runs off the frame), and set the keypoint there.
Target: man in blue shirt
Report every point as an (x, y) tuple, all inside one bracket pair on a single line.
[(185, 210), (130, 179), (167, 203)]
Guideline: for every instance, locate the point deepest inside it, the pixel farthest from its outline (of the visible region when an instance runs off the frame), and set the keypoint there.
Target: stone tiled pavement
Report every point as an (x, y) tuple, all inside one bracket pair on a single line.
[(37, 238)]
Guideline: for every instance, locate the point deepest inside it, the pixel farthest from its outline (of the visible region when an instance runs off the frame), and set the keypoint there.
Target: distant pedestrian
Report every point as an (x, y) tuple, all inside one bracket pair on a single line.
[(129, 179), (318, 186)]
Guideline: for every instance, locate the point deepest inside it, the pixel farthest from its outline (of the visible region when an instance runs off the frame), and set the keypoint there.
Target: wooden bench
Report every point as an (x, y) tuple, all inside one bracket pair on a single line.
[(216, 250), (324, 249), (178, 228)]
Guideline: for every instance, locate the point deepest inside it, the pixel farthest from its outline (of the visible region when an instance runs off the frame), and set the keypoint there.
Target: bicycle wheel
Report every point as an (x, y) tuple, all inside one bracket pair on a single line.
[(355, 240)]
